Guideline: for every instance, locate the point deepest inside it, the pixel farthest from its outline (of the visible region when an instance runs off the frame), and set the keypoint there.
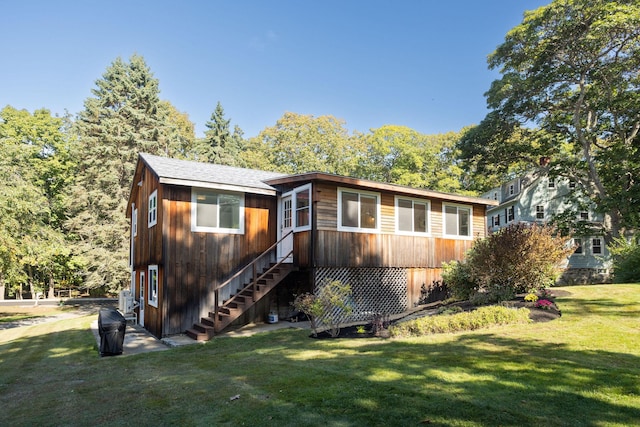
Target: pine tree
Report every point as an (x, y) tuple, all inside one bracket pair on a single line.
[(220, 146), (123, 118)]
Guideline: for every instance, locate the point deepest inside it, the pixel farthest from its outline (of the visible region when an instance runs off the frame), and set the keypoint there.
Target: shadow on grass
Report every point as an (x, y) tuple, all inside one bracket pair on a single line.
[(599, 307), (284, 378)]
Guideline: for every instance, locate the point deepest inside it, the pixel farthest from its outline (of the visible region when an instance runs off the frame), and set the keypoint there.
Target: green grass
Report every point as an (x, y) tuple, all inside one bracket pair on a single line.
[(580, 370)]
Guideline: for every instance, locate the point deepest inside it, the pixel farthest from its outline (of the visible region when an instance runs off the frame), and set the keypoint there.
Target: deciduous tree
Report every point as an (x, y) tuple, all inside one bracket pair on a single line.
[(570, 90)]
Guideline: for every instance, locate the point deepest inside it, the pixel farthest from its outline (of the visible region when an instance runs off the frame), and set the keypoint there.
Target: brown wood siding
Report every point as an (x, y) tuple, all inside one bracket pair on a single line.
[(196, 261), (416, 277), (343, 249), (326, 198)]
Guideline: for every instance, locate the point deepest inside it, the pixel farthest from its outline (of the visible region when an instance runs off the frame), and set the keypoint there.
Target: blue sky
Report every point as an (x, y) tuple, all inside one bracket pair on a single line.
[(416, 63)]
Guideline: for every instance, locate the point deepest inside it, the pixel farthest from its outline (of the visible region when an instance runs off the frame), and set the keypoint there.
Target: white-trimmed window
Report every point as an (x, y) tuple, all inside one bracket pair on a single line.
[(412, 215), (457, 221), (153, 286), (539, 212), (512, 189), (358, 210), (596, 246), (496, 220), (302, 203), (134, 220), (578, 245), (153, 209), (552, 183), (217, 211), (510, 214), (584, 216)]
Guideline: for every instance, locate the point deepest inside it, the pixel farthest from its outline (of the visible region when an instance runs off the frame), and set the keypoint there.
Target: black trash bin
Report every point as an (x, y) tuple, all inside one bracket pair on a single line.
[(111, 327)]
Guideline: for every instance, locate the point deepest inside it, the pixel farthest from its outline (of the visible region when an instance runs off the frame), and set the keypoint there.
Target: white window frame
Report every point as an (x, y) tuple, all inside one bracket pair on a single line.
[(414, 201), (510, 214), (599, 245), (152, 212), (295, 208), (206, 229), (495, 220), (152, 297), (583, 216), (579, 242), (359, 228), (512, 189), (444, 221), (551, 184), (540, 212), (134, 220)]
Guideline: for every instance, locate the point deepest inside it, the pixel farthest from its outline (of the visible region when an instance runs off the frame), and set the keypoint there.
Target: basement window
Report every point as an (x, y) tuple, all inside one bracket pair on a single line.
[(217, 212)]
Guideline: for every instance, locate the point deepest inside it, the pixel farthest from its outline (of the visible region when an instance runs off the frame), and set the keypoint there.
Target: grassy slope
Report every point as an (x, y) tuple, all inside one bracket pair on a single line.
[(583, 369)]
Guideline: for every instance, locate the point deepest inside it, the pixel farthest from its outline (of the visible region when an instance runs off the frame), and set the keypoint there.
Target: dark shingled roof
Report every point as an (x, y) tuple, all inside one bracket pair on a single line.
[(188, 171)]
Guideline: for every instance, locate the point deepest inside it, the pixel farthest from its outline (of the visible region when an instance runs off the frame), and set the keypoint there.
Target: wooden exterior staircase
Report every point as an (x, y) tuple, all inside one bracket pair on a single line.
[(261, 283)]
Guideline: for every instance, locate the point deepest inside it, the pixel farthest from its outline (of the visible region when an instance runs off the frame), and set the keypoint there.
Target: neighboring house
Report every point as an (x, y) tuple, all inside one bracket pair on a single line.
[(216, 246), (537, 198)]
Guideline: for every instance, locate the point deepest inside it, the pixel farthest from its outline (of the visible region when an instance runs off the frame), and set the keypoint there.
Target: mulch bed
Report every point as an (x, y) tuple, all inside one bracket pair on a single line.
[(535, 314)]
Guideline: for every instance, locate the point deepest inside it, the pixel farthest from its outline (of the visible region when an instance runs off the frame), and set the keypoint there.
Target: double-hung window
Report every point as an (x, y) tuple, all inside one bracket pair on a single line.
[(153, 285), (539, 212), (596, 246), (457, 221), (358, 211), (412, 216), (578, 244), (153, 209), (217, 211)]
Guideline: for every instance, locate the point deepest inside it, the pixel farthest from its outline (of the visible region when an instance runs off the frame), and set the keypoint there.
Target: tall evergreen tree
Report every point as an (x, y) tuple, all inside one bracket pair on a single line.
[(124, 117), (220, 145)]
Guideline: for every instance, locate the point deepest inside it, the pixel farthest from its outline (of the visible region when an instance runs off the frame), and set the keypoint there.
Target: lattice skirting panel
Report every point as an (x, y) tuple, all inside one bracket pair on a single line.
[(375, 290)]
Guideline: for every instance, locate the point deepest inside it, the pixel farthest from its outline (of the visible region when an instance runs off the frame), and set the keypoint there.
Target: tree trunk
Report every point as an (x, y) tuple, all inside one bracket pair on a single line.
[(51, 290)]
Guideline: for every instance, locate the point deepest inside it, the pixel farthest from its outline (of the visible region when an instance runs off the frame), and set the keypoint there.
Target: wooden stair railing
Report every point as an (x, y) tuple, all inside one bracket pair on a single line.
[(232, 308)]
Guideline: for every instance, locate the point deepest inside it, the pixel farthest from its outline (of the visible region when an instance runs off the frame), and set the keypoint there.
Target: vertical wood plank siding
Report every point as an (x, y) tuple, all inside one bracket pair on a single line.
[(191, 263)]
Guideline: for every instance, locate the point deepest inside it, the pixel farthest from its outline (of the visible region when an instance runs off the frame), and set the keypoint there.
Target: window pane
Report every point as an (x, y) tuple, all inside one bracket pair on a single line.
[(451, 220), (368, 211), (405, 218), (229, 211), (419, 217), (463, 217), (349, 209), (207, 210), (302, 208)]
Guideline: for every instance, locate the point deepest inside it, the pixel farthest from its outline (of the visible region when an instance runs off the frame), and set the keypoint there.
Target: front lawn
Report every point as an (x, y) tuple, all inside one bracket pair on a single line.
[(582, 369)]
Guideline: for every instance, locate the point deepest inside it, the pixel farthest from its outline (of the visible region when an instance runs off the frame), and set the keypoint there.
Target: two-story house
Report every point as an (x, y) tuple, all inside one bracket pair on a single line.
[(538, 198), (215, 246)]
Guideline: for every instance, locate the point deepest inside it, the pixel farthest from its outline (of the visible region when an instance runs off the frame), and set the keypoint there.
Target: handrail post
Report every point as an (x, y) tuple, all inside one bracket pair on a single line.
[(255, 279), (216, 305)]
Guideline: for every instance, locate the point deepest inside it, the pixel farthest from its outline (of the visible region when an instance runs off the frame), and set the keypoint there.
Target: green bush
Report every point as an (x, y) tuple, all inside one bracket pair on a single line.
[(329, 306), (516, 259), (626, 260), (481, 318), (457, 278)]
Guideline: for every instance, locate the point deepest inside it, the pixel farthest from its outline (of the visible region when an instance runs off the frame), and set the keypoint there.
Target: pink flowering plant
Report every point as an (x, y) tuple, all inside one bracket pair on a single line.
[(544, 304)]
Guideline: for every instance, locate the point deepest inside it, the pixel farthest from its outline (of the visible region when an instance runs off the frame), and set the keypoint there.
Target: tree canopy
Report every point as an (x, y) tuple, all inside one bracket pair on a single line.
[(570, 90)]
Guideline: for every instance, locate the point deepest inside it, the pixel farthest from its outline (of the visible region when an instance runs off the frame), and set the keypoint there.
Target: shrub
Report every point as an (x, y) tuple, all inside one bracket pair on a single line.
[(457, 278), (481, 318), (518, 258), (329, 306), (626, 260), (311, 306)]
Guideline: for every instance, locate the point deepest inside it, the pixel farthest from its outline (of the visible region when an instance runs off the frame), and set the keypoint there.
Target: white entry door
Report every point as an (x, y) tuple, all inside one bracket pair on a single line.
[(143, 294), (286, 225)]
